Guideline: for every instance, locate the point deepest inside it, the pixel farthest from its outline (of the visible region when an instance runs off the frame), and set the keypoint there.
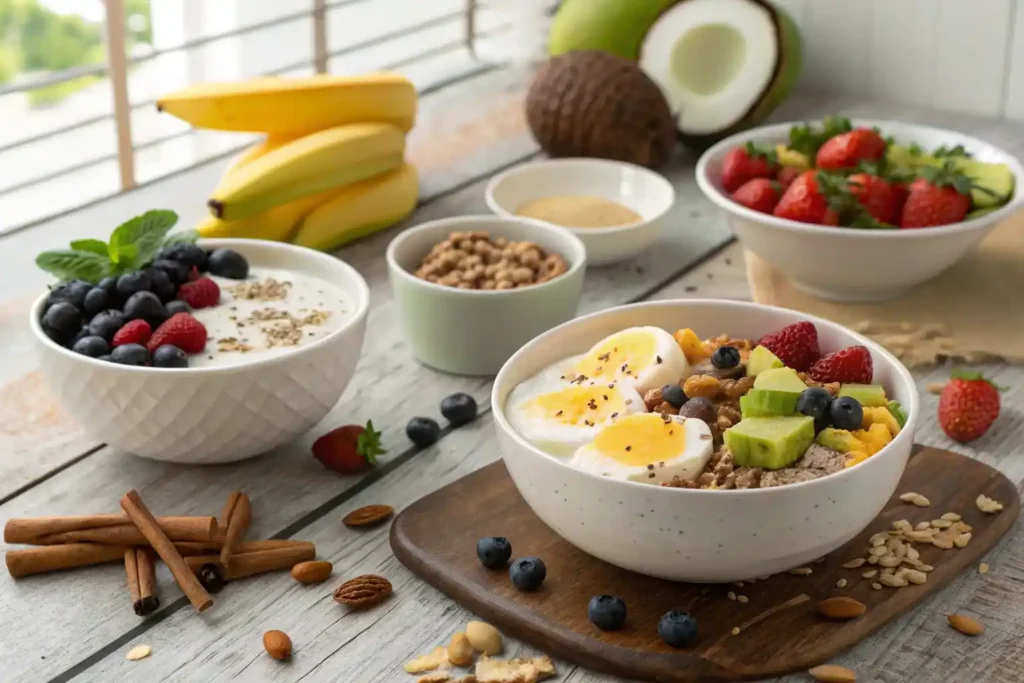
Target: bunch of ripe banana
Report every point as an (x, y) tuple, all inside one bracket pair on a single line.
[(331, 167)]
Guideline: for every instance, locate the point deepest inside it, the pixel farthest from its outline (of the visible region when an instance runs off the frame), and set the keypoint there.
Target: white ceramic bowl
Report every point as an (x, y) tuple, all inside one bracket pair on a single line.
[(698, 535), (473, 332), (642, 190), (215, 414), (849, 264)]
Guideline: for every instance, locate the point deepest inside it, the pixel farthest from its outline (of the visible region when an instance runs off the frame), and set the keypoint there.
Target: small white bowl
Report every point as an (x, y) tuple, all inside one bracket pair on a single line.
[(635, 187), (851, 264), (698, 535), (213, 415), (473, 332)]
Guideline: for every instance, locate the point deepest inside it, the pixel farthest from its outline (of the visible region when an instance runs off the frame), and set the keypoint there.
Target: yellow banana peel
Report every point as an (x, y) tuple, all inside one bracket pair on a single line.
[(277, 224), (360, 209), (255, 151), (295, 106), (309, 165)]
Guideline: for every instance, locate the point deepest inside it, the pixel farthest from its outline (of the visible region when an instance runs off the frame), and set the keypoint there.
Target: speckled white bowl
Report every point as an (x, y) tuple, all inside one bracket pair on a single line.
[(215, 414), (695, 535)]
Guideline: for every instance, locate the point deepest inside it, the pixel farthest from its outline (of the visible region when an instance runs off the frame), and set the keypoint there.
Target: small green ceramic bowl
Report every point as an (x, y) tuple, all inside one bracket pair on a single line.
[(473, 332)]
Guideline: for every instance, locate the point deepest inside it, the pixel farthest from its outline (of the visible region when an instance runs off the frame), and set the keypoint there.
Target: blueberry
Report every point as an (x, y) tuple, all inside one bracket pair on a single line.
[(58, 294), (678, 628), (91, 346), (211, 578), (673, 394), (814, 402), (422, 431), (131, 283), (106, 324), (77, 289), (59, 338), (168, 356), (64, 318), (130, 354), (458, 409), (177, 306), (108, 284), (527, 573), (96, 300), (607, 612), (176, 270), (106, 358), (847, 413), (725, 357), (82, 334), (147, 306), (228, 263), (820, 423), (188, 254), (494, 551), (161, 284)]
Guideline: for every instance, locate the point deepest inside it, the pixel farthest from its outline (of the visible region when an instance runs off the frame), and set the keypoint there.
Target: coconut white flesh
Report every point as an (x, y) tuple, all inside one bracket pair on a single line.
[(713, 59)]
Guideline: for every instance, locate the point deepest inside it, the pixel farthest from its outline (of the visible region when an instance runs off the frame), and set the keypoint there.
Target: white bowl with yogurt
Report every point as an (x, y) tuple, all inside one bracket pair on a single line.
[(616, 209), (273, 367)]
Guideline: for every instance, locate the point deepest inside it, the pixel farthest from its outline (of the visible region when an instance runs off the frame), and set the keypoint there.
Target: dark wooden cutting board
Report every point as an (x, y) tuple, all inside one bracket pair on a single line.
[(780, 631)]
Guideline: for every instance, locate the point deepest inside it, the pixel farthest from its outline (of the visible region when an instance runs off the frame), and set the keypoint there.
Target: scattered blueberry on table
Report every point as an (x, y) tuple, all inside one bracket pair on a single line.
[(459, 409), (494, 552), (528, 573), (607, 612), (422, 431), (678, 629), (211, 578)]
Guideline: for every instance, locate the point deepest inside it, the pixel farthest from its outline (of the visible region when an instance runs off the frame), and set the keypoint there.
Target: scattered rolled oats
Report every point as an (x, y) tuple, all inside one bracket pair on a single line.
[(915, 499), (877, 586), (527, 670), (892, 580), (921, 526), (841, 583), (915, 576), (870, 574), (802, 571), (736, 630), (138, 652), (435, 677), (951, 516), (742, 599), (428, 662), (926, 568), (730, 595), (988, 505), (962, 540), (854, 563), (983, 568)]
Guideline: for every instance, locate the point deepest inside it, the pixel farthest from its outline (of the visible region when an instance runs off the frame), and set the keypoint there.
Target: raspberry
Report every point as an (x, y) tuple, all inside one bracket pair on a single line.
[(133, 332), (181, 330), (201, 293), (851, 365), (795, 345)]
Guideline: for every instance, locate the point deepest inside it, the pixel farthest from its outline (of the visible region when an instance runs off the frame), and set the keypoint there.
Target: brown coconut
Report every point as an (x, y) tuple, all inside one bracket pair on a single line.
[(593, 104)]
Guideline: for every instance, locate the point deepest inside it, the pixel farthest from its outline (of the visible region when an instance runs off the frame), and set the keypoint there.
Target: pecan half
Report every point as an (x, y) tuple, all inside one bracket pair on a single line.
[(365, 516), (363, 591)]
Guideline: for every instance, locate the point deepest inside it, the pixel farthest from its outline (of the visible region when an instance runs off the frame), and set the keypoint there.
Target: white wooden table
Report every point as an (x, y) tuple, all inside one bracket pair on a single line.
[(78, 625)]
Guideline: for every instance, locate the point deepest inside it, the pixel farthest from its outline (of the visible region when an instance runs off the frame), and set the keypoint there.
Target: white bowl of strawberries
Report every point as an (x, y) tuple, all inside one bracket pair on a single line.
[(862, 210)]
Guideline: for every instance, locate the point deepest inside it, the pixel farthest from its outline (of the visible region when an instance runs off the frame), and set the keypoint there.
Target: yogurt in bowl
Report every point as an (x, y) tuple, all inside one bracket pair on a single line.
[(303, 318)]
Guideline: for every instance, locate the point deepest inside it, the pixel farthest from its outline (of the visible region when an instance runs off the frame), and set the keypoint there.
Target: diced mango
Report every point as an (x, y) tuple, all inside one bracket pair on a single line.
[(792, 158), (881, 415), (839, 440), (690, 343), (874, 438), (856, 457)]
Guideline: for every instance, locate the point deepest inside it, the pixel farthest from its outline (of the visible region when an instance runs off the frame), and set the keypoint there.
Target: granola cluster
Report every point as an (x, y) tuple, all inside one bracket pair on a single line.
[(473, 260)]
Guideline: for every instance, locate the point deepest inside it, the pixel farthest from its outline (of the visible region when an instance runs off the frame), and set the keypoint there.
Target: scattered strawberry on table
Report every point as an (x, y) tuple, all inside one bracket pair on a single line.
[(968, 405), (349, 449), (838, 175)]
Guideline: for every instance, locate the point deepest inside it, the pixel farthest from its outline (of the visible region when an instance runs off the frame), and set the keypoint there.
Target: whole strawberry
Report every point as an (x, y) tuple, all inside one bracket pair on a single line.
[(200, 293), (881, 199), (759, 194), (795, 345), (181, 330), (746, 163), (349, 449), (803, 201), (941, 197), (852, 365), (846, 150), (786, 176), (968, 405)]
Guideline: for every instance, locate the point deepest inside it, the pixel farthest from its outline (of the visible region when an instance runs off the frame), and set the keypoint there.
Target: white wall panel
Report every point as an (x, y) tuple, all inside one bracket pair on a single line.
[(902, 50), (1014, 80), (836, 33)]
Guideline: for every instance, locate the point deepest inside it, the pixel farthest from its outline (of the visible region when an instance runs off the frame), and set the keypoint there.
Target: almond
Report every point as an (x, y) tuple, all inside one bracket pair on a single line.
[(832, 673), (484, 637), (368, 515), (314, 571), (277, 644), (363, 591), (460, 652), (966, 625), (841, 608)]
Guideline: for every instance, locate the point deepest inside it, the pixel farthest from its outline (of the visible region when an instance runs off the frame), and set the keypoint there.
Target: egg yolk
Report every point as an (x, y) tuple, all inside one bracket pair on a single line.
[(579, 404), (621, 355), (641, 439)]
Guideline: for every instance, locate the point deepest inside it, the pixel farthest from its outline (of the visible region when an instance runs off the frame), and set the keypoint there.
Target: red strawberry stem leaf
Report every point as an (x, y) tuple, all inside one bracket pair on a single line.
[(368, 444), (973, 376)]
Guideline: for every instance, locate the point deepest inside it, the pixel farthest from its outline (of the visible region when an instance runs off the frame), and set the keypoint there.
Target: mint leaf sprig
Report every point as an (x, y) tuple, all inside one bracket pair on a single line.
[(131, 245)]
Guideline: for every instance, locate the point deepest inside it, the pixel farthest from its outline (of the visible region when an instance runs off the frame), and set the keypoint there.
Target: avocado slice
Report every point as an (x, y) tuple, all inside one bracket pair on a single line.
[(899, 412), (865, 394), (996, 181), (769, 442), (767, 402), (762, 359), (750, 408), (780, 379)]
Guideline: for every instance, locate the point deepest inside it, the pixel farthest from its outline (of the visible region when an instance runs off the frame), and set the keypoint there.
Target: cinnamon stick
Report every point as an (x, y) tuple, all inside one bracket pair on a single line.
[(109, 529), (142, 518), (55, 557), (257, 561), (138, 566), (191, 549), (235, 520)]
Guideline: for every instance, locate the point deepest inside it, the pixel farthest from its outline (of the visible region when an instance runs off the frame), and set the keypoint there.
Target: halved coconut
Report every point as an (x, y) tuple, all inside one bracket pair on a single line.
[(723, 65)]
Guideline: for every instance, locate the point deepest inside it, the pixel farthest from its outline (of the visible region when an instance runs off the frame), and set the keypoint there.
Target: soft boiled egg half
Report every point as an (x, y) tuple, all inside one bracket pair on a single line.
[(647, 357), (649, 448), (559, 417)]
